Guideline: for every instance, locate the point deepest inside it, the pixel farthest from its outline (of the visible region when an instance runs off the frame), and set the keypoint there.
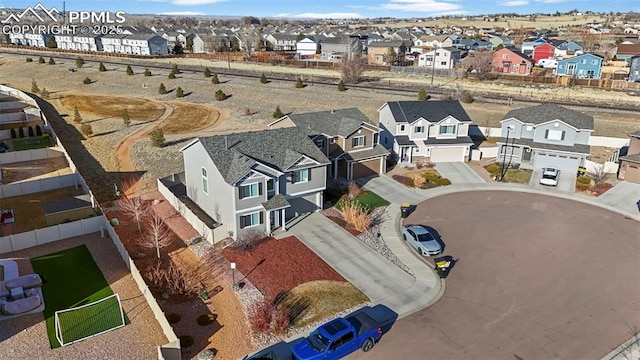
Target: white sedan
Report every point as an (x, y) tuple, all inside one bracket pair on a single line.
[(550, 176)]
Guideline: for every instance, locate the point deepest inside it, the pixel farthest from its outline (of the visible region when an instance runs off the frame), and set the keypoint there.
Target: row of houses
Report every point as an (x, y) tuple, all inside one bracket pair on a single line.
[(261, 180)]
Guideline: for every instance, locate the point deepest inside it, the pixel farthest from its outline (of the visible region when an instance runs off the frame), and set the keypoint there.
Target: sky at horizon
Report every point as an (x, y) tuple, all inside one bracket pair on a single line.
[(333, 8)]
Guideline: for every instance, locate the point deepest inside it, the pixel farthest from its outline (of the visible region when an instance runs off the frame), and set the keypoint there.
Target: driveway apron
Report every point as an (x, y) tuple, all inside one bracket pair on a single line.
[(459, 173), (369, 271), (623, 196), (390, 189)]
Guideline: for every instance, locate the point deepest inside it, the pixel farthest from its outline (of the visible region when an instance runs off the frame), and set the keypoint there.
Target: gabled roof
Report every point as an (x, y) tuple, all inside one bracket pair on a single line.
[(235, 154), (433, 111), (342, 122), (518, 53), (573, 58), (635, 134), (387, 44), (547, 112), (628, 49)]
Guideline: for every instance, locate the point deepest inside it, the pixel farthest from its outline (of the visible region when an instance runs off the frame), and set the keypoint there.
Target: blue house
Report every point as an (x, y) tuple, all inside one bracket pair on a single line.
[(587, 66)]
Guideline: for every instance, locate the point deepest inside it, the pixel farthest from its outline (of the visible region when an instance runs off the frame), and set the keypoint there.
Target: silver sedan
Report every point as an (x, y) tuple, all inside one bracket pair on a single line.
[(422, 239)]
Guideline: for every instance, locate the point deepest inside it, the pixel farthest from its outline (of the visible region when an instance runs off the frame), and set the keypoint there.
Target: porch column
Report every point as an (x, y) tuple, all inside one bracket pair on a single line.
[(335, 169), (411, 154), (284, 224), (268, 215)]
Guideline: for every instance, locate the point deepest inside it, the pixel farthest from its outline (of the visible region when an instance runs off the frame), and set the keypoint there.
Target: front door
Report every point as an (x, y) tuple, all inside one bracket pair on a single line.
[(274, 219), (571, 68)]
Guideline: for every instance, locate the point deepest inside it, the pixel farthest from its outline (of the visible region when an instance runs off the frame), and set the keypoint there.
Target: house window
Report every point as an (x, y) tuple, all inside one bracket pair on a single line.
[(401, 127), (358, 141), (333, 140), (300, 176), (249, 220), (271, 185), (505, 56), (583, 61), (205, 182), (437, 53), (443, 63), (251, 190), (418, 129), (594, 62), (529, 128), (320, 142), (554, 134), (416, 150), (447, 129)]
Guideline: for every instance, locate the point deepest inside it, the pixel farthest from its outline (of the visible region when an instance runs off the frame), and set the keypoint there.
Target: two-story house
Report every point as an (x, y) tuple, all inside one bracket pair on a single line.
[(629, 169), (282, 42), (586, 66), (377, 52), (255, 180), (437, 130), (346, 136), (567, 48), (511, 61), (543, 51), (340, 46), (634, 68), (546, 135), (443, 58)]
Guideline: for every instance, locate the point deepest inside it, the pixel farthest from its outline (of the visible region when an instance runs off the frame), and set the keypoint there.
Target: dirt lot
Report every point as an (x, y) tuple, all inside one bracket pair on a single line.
[(33, 170), (189, 118), (113, 107), (29, 210)]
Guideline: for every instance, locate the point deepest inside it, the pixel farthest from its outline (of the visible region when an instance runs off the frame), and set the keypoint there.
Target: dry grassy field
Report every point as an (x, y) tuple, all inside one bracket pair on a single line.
[(542, 22), (113, 107), (187, 118)]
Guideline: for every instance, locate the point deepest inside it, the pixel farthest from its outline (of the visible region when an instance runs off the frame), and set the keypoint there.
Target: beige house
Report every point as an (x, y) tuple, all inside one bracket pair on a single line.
[(629, 169)]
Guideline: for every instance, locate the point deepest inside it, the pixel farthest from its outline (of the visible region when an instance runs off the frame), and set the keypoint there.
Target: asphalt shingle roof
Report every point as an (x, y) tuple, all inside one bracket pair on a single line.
[(635, 158), (546, 112), (277, 148), (341, 122), (276, 202), (433, 111), (577, 148), (66, 204), (635, 134)]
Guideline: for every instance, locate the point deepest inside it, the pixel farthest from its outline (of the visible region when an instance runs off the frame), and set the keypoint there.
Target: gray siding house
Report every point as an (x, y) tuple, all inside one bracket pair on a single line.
[(546, 135), (255, 180), (437, 130), (634, 68), (347, 137)]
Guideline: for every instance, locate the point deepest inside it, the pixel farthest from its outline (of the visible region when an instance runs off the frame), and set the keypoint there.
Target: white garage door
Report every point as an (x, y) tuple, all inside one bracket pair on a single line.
[(447, 154), (558, 161)]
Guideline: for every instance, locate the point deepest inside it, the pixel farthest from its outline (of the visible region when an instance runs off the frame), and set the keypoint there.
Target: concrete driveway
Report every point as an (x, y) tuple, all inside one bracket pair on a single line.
[(624, 196), (362, 266), (566, 181), (537, 277), (459, 173), (391, 190)]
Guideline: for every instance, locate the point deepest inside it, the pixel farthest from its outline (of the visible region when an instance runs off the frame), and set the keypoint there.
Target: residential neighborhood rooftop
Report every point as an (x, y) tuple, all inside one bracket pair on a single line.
[(341, 122), (547, 112), (235, 154), (436, 110)]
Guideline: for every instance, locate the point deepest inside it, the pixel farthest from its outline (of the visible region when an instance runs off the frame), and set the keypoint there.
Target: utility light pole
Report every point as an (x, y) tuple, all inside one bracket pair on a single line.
[(503, 171)]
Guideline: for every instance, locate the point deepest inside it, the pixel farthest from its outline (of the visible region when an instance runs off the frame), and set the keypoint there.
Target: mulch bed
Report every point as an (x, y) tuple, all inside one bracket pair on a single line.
[(343, 224), (274, 266)]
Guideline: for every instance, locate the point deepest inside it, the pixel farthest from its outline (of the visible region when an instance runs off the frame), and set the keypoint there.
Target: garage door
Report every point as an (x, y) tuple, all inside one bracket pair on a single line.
[(301, 205), (366, 168), (557, 161), (632, 174), (447, 154)]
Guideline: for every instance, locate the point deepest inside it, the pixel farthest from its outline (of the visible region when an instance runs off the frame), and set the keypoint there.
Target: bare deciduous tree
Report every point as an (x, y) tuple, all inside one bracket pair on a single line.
[(590, 41), (133, 205), (157, 235), (598, 175), (480, 64), (351, 68), (248, 42)]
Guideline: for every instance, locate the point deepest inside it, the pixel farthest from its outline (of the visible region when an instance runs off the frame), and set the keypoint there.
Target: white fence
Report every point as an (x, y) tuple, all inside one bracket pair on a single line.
[(34, 186), (202, 229), (50, 234), (608, 167), (171, 350)]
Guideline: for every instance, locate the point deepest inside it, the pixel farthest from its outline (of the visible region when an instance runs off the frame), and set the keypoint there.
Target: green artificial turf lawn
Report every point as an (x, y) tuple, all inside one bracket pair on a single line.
[(369, 200), (20, 144), (71, 278)]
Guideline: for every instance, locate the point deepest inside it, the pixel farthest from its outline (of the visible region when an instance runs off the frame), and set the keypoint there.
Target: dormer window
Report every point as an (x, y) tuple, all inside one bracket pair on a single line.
[(418, 129), (447, 129)]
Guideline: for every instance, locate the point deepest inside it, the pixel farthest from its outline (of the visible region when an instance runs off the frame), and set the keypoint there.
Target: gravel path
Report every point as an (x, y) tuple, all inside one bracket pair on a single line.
[(26, 337)]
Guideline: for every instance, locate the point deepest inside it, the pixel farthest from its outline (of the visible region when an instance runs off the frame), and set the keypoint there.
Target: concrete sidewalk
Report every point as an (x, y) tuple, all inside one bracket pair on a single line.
[(379, 279), (459, 173), (391, 190)]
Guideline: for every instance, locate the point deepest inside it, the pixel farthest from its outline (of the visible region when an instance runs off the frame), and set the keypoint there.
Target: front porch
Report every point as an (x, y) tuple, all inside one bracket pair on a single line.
[(275, 209)]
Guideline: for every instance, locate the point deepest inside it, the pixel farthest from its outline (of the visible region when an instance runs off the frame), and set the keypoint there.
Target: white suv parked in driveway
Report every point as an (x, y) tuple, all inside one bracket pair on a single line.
[(549, 176)]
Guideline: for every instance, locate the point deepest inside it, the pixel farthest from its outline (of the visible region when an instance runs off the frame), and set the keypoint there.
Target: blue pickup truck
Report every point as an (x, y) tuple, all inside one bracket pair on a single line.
[(342, 336)]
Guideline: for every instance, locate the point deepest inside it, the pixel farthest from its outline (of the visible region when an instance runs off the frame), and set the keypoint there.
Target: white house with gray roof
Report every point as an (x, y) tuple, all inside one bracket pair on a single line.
[(255, 180), (346, 136), (136, 44), (546, 135), (433, 130)]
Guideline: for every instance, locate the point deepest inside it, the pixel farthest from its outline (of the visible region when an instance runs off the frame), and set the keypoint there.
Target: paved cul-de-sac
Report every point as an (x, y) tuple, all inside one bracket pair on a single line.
[(537, 277)]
